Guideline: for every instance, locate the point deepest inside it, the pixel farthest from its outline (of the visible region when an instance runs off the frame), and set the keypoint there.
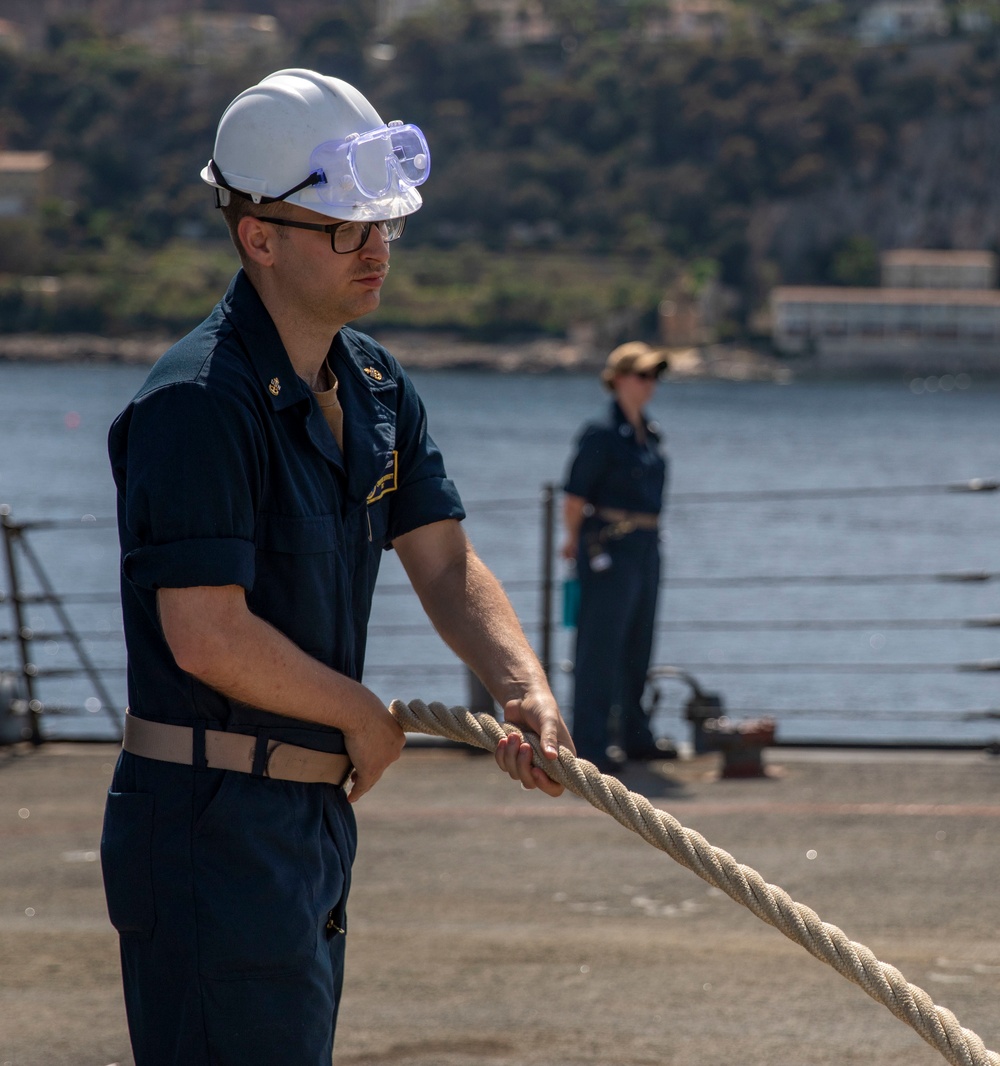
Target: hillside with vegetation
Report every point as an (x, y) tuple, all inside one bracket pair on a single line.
[(575, 178)]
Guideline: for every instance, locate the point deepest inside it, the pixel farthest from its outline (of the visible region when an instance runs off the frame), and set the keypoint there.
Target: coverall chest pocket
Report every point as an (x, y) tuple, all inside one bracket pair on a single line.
[(285, 534), (300, 566)]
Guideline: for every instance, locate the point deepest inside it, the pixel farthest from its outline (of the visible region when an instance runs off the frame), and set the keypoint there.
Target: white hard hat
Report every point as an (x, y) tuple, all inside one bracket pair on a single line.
[(315, 141)]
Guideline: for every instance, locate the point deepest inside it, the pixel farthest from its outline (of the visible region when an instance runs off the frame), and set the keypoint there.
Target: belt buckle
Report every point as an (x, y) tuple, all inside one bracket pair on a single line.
[(271, 748)]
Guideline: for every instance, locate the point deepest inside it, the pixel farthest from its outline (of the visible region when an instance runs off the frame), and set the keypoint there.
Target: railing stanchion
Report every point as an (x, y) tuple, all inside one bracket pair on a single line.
[(11, 533), (69, 631), (548, 553)]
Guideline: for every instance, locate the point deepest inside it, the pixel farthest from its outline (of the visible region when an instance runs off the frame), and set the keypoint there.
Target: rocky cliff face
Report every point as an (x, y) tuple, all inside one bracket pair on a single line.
[(941, 189)]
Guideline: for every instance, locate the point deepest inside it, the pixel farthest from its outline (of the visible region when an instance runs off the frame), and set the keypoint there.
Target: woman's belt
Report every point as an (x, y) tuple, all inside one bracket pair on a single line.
[(628, 519), (257, 755)]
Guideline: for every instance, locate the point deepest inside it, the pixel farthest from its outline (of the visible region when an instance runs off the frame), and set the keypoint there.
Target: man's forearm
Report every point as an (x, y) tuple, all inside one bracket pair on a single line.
[(216, 639), (474, 617), (471, 611), (573, 507)]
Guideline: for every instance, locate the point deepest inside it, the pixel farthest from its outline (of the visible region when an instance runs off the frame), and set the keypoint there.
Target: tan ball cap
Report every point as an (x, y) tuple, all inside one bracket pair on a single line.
[(634, 357)]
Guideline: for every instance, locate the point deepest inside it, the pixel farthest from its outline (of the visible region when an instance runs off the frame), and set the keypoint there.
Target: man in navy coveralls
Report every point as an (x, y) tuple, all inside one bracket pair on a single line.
[(268, 460)]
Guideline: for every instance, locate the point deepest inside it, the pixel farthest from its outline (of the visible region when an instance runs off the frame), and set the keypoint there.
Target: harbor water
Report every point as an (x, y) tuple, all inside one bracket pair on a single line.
[(789, 589)]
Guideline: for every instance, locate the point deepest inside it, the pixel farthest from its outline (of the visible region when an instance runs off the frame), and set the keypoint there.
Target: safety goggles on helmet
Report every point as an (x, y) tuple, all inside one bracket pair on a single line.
[(362, 166), (371, 162)]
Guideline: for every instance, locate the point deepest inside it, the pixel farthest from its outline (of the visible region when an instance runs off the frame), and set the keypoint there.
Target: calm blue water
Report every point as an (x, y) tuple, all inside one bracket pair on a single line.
[(829, 660)]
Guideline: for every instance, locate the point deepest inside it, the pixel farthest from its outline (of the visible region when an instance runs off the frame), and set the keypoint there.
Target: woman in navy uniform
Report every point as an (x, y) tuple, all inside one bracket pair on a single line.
[(614, 494)]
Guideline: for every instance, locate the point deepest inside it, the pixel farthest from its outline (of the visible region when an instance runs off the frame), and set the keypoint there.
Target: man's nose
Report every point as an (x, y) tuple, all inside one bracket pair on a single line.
[(376, 247)]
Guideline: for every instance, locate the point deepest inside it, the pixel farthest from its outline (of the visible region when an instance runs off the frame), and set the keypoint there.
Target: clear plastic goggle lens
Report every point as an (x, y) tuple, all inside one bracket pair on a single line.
[(370, 162)]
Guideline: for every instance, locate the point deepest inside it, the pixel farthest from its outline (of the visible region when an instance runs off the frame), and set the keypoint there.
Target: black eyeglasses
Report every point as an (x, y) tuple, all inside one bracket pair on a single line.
[(646, 375), (345, 236)]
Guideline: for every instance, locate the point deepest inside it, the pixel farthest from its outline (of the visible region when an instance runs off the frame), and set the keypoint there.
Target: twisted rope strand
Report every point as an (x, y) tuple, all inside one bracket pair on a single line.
[(884, 983)]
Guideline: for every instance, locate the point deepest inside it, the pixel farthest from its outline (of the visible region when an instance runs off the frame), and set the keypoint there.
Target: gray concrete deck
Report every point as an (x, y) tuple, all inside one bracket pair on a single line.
[(495, 927)]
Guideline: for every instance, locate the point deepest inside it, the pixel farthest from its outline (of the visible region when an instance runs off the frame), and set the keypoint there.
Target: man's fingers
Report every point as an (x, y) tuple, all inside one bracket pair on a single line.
[(361, 783), (550, 740), (545, 783), (506, 754), (514, 757), (543, 718)]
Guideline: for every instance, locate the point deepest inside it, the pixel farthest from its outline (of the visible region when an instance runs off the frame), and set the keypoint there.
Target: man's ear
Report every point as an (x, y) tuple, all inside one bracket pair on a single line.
[(257, 239)]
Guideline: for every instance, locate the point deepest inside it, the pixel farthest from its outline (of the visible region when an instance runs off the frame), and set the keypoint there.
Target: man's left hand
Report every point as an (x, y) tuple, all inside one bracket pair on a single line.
[(537, 713)]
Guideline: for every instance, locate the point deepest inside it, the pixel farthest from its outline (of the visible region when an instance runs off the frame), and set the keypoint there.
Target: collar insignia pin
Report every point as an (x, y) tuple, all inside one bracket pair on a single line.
[(275, 387), (373, 373)]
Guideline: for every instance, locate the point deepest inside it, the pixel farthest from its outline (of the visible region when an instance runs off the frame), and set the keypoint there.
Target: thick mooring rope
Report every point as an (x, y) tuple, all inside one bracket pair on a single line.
[(884, 983)]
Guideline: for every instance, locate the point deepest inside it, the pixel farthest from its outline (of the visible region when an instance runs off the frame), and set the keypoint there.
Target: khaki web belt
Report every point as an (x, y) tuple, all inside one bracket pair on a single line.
[(630, 519), (233, 751)]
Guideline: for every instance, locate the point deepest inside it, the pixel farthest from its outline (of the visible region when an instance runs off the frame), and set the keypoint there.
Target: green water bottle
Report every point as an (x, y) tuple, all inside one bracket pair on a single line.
[(571, 597)]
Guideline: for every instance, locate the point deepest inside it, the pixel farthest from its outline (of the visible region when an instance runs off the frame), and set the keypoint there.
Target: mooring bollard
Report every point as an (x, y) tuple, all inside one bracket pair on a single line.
[(742, 744)]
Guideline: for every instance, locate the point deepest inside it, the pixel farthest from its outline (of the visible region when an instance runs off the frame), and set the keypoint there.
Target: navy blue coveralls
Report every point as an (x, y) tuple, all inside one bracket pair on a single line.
[(228, 889), (612, 469)]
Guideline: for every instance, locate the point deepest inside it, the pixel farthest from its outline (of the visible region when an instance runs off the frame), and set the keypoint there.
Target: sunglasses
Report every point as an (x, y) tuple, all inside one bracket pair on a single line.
[(646, 375)]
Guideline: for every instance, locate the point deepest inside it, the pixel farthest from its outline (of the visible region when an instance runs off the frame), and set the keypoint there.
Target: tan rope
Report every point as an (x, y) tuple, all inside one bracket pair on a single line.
[(884, 983)]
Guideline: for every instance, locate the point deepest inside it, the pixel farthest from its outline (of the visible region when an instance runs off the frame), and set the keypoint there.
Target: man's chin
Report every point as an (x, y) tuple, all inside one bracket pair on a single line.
[(366, 307)]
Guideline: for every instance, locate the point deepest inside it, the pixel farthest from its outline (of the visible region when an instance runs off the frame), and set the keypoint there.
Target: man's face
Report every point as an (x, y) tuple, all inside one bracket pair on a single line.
[(331, 287)]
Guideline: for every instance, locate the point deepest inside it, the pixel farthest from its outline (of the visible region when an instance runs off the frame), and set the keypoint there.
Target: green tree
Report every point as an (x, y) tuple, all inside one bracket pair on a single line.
[(336, 44), (855, 262)]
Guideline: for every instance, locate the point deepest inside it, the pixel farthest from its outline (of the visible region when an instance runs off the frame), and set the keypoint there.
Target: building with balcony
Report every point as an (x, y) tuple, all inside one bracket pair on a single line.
[(13, 38), (935, 312), (23, 182), (709, 21), (919, 268), (891, 21)]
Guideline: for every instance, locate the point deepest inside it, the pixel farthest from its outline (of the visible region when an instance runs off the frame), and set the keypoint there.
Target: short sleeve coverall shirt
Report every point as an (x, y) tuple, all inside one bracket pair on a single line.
[(228, 889), (614, 471)]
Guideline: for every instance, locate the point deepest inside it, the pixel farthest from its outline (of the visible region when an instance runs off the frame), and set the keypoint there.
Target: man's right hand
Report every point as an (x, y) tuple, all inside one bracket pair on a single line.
[(215, 637), (372, 745)]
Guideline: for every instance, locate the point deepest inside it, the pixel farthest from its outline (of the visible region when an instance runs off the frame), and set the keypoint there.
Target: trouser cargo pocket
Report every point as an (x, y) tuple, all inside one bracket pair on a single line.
[(127, 863), (264, 878)]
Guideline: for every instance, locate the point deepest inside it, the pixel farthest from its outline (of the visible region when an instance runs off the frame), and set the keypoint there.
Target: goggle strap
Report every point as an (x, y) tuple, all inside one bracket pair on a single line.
[(317, 177)]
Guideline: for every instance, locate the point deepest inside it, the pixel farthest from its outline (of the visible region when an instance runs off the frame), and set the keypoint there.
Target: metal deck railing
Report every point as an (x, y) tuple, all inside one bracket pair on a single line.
[(42, 616)]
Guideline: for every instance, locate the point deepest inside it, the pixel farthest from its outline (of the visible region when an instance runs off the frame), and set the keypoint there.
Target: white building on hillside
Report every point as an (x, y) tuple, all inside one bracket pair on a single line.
[(919, 268), (935, 311), (889, 21), (23, 182)]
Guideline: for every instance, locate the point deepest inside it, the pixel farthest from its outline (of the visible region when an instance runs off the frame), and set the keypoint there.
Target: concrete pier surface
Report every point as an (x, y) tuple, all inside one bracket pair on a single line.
[(496, 927)]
